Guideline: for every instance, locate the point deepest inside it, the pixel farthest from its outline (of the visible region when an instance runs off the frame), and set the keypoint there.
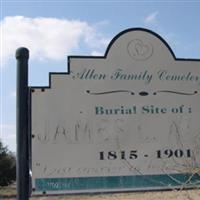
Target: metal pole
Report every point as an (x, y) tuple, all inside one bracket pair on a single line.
[(22, 56)]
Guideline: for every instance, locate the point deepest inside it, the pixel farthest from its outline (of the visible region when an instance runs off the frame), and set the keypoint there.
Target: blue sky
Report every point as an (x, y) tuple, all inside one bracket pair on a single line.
[(52, 30)]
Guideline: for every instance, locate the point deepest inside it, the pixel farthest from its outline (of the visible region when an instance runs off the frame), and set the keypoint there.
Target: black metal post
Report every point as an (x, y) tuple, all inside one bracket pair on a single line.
[(22, 56)]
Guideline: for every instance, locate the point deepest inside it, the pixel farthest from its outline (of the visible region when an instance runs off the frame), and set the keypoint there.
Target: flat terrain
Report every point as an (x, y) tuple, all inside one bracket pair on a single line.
[(9, 194)]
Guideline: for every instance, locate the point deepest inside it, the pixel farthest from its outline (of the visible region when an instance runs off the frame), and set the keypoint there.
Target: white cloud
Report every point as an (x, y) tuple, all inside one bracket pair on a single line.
[(151, 18), (13, 94), (47, 38), (8, 135), (96, 53)]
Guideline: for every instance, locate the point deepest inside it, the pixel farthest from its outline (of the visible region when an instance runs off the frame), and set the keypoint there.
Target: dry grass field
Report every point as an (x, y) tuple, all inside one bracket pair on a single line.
[(172, 195), (9, 193)]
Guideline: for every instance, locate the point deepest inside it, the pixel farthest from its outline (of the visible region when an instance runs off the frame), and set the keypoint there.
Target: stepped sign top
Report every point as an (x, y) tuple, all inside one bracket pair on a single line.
[(125, 121)]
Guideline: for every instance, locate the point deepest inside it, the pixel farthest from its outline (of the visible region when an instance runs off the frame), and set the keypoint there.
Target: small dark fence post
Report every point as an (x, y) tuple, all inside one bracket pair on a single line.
[(22, 56)]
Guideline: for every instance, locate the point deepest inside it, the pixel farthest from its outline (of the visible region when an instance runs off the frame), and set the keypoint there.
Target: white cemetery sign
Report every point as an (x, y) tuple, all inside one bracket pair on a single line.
[(129, 120)]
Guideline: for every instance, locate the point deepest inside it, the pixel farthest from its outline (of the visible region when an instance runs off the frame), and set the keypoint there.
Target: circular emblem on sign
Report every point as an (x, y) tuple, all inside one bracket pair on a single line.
[(139, 50)]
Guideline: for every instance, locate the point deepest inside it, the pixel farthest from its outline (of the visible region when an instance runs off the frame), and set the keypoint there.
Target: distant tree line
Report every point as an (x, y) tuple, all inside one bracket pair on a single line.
[(7, 166)]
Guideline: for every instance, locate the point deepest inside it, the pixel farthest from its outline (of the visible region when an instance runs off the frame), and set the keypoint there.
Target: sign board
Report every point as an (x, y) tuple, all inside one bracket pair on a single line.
[(125, 121)]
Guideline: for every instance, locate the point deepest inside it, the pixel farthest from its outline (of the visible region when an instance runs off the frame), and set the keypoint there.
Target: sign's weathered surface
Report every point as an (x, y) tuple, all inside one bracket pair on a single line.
[(125, 121)]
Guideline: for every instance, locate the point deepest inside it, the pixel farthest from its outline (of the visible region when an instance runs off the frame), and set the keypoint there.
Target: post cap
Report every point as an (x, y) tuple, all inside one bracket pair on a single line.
[(22, 52)]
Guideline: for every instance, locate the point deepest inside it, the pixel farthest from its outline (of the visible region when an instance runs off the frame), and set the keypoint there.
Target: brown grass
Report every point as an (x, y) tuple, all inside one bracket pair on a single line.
[(9, 193)]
